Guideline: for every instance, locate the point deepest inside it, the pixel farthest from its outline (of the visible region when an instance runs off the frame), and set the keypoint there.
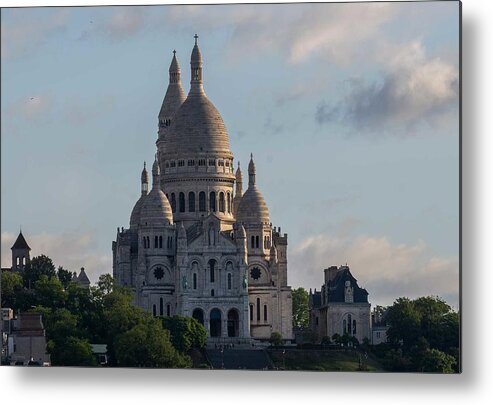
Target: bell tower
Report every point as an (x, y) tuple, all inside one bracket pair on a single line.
[(20, 253)]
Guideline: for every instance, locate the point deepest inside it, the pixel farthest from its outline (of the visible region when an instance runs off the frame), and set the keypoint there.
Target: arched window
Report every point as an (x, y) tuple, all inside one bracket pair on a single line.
[(160, 242), (194, 281), (228, 201), (144, 241), (156, 242), (161, 306), (212, 292), (173, 202), (344, 330), (251, 312), (212, 201), (221, 202), (229, 281), (202, 201), (212, 264), (154, 310), (181, 202), (148, 242), (253, 241), (168, 310), (256, 242), (265, 312), (349, 324), (191, 201), (354, 326), (258, 309)]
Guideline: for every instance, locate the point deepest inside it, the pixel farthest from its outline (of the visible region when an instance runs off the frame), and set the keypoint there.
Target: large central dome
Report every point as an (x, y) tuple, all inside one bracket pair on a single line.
[(197, 127)]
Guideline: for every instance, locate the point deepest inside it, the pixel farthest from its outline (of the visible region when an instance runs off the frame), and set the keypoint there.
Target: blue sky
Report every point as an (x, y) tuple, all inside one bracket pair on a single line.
[(350, 110)]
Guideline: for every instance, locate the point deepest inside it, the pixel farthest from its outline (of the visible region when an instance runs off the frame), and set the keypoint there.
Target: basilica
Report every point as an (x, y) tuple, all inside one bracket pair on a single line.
[(197, 245)]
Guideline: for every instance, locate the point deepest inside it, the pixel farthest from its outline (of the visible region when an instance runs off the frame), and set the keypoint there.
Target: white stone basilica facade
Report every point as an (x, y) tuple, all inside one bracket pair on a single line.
[(197, 245)]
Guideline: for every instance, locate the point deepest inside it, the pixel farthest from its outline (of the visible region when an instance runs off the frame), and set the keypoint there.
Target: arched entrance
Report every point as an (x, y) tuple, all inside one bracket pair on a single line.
[(233, 323), (215, 323), (198, 314)]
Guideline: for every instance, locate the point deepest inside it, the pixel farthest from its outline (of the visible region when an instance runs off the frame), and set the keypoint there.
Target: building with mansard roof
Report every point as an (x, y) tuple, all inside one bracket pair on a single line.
[(340, 307), (196, 245)]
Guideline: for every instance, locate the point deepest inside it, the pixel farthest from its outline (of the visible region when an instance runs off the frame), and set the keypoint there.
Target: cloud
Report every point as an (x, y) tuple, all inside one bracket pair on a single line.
[(126, 21), (27, 30), (414, 90), (272, 128), (35, 108), (336, 32), (386, 270), (72, 250)]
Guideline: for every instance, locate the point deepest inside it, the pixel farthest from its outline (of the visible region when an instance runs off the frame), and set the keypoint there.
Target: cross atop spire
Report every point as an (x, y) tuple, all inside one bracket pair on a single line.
[(196, 37), (174, 51)]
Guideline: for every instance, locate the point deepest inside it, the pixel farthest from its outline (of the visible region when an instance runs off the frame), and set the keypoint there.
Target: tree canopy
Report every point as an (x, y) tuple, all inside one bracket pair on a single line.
[(301, 316)]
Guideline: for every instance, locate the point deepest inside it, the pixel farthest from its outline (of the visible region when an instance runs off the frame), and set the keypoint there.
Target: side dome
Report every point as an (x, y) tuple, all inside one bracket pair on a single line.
[(197, 127), (252, 208), (155, 209), (135, 215)]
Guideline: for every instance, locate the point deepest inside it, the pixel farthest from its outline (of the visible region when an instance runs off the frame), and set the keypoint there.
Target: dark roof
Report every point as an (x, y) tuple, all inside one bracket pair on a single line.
[(316, 299), (82, 277), (20, 243), (338, 283)]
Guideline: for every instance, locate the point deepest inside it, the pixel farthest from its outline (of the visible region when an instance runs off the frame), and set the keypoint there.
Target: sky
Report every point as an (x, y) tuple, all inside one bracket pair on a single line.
[(350, 110)]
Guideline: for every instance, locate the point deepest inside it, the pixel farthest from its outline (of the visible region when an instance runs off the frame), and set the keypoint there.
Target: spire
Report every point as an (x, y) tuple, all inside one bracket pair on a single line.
[(239, 181), (251, 171), (156, 173), (196, 84), (144, 180), (174, 70), (20, 243), (175, 96)]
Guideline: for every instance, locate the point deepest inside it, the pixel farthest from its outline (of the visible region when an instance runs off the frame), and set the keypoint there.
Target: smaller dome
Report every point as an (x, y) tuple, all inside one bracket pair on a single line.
[(155, 209), (135, 215), (252, 208)]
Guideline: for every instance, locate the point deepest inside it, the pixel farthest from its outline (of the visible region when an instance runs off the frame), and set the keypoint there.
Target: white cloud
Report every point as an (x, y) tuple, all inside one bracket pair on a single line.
[(27, 30), (126, 21), (414, 90), (72, 250), (386, 270), (336, 32), (33, 108)]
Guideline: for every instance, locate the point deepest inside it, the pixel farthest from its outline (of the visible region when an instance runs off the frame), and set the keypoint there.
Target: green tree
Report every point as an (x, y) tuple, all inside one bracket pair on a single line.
[(185, 332), (49, 292), (11, 286), (106, 284), (38, 266), (436, 361), (301, 316), (147, 344), (404, 323), (64, 276), (276, 339), (71, 351)]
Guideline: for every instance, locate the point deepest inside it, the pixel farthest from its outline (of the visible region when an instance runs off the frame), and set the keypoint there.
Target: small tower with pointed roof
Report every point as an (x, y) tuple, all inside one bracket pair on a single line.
[(20, 253), (238, 189), (174, 98)]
